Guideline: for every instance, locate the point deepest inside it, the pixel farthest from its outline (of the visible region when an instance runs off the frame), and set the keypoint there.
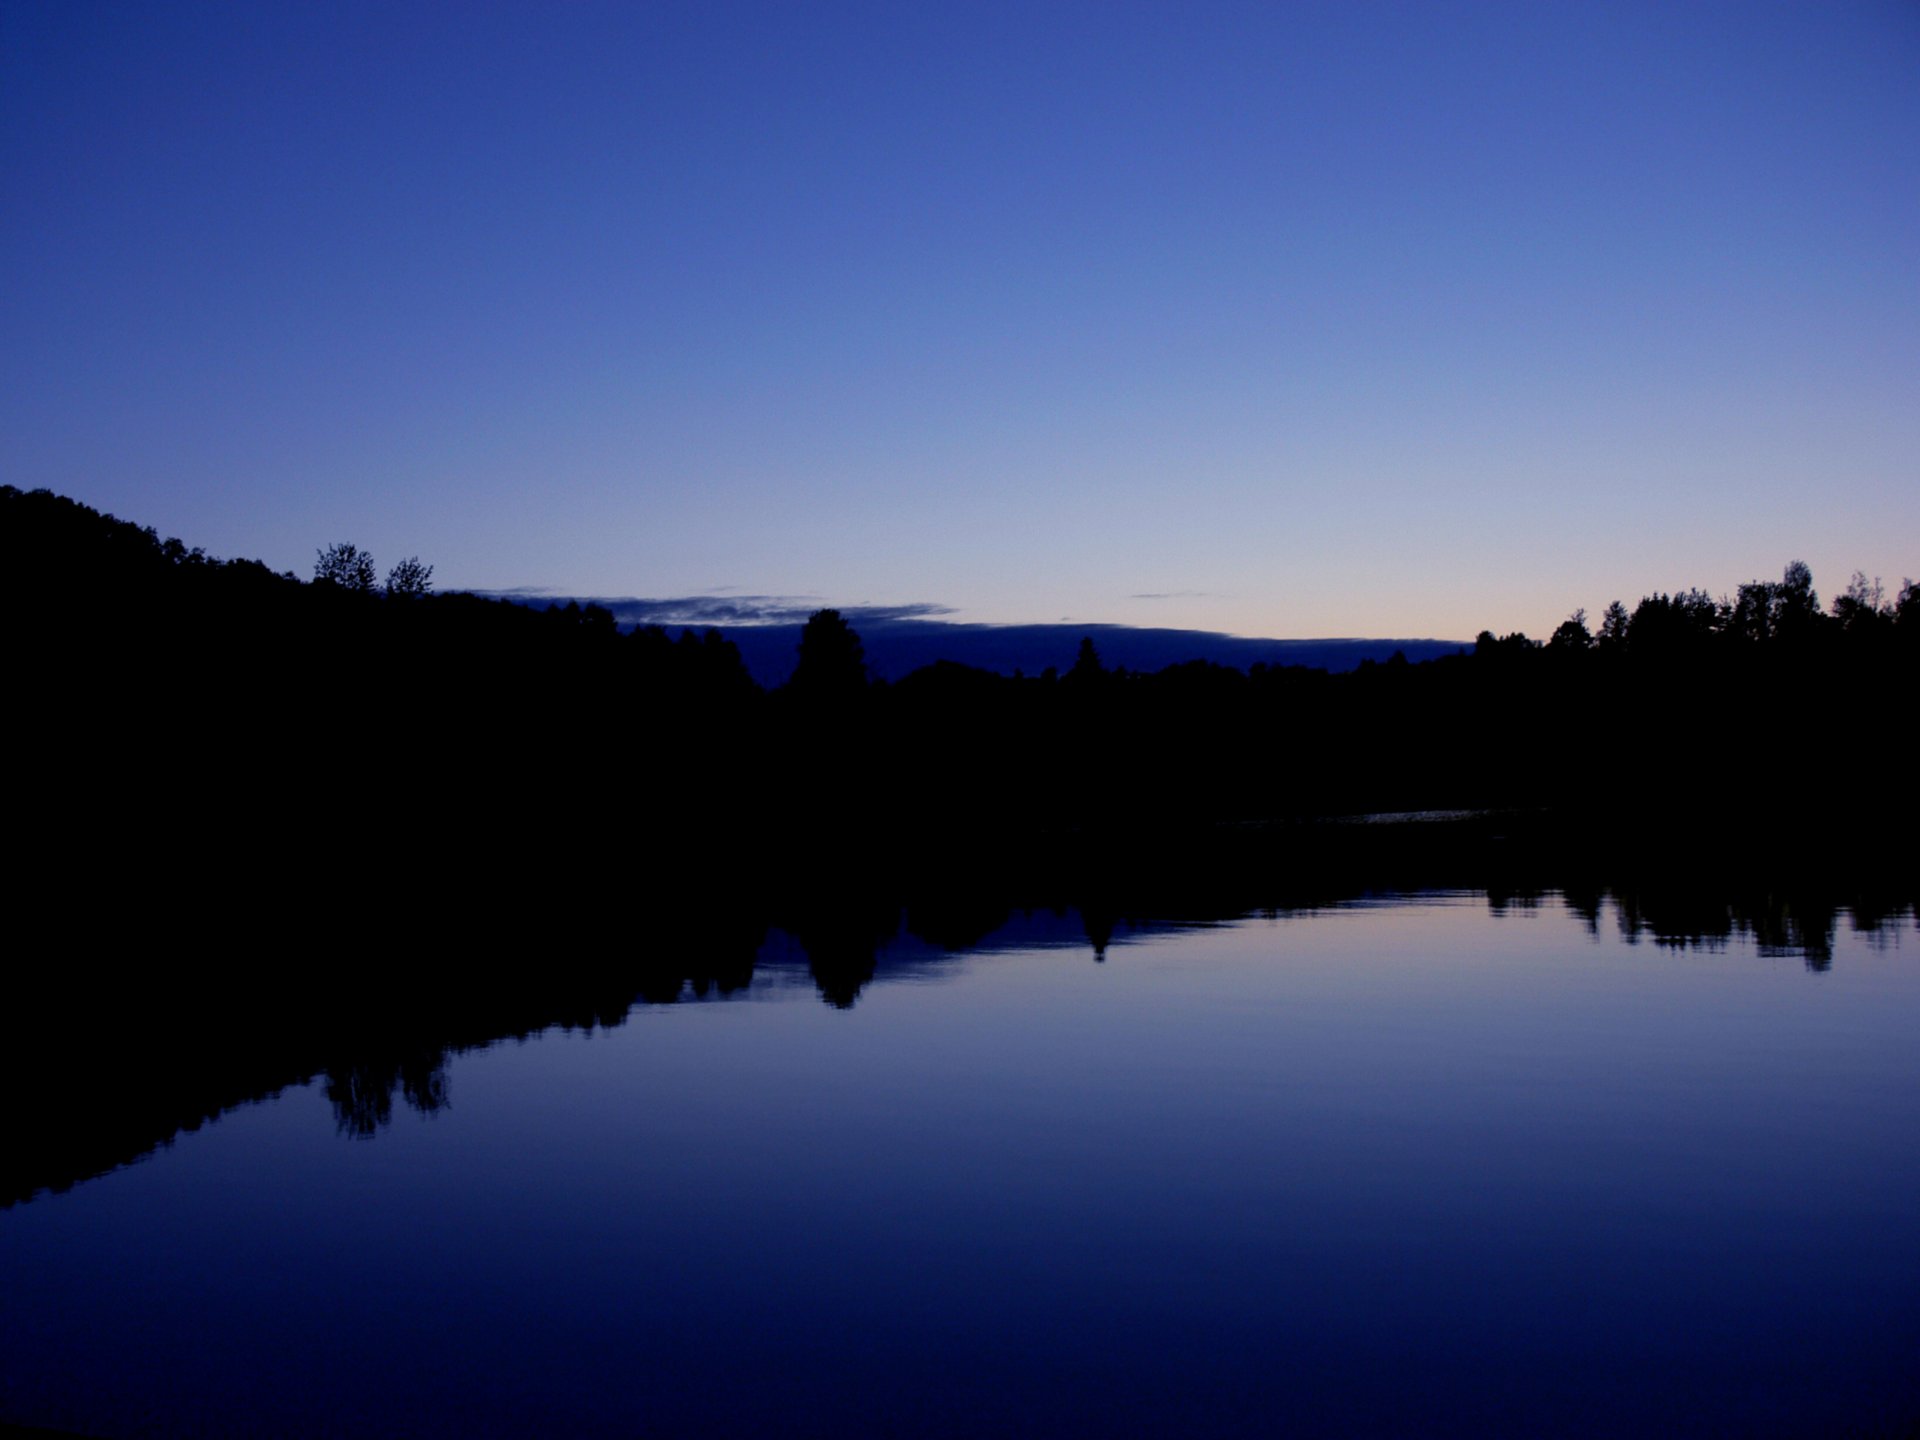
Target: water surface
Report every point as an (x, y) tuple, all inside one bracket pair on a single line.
[(1407, 1166)]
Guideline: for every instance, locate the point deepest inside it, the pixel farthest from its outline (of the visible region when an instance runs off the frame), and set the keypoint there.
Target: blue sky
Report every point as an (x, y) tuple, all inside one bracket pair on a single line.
[(1275, 319)]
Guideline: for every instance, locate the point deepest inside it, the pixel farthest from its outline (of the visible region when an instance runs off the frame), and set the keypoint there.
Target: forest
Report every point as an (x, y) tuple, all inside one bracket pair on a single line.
[(214, 723)]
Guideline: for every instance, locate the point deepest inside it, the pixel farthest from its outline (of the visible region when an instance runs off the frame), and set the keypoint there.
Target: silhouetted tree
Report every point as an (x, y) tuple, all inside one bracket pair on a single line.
[(347, 566), (1667, 624), (1572, 633), (1862, 606), (1796, 606), (1785, 609), (1906, 610), (1514, 642), (1613, 627), (1087, 668), (1749, 616), (409, 579), (832, 660)]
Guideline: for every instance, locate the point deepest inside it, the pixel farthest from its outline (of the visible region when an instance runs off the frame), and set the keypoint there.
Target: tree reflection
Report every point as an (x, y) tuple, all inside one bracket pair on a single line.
[(362, 1090), (115, 1070), (1781, 924)]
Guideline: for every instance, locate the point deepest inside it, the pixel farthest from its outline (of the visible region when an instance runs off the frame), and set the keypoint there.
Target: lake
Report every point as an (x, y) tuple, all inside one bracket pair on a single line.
[(1401, 1165)]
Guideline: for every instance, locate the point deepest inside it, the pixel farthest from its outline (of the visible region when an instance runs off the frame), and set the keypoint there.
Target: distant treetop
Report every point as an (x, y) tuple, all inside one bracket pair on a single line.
[(409, 579), (347, 566)]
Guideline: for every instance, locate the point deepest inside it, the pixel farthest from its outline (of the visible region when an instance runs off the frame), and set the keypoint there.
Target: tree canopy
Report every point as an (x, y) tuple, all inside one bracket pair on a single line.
[(347, 566)]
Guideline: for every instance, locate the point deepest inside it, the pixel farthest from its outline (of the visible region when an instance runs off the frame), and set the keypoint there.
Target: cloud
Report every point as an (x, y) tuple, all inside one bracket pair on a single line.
[(703, 610), (1175, 595), (722, 611)]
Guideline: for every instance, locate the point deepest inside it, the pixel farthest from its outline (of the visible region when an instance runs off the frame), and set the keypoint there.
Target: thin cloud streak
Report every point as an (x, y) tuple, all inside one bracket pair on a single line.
[(721, 610)]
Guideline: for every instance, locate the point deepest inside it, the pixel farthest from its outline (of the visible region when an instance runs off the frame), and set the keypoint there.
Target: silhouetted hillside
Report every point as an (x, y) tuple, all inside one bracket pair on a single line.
[(208, 736)]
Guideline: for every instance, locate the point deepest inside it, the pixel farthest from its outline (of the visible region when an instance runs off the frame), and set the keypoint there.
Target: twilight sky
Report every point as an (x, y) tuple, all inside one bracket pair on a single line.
[(1279, 319)]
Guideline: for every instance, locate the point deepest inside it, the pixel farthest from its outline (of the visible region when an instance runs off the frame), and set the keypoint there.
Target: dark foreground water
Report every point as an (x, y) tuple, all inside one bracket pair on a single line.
[(1404, 1167)]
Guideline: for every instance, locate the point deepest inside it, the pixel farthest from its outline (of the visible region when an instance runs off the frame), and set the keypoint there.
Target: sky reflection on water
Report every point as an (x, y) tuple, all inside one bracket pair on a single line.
[(1406, 1167)]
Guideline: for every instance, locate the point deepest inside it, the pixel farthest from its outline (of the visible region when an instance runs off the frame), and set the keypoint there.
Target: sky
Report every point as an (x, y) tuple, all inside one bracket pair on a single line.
[(1272, 319)]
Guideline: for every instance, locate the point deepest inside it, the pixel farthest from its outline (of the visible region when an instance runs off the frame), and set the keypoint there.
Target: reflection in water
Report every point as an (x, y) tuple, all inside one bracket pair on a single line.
[(362, 1089), (167, 1058), (1349, 1164)]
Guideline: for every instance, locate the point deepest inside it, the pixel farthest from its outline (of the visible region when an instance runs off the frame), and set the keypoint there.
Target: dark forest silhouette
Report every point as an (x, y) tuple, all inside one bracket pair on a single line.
[(178, 694)]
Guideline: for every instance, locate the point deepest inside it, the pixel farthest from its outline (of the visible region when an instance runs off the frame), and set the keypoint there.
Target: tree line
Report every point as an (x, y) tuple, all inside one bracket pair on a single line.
[(170, 693), (1759, 614)]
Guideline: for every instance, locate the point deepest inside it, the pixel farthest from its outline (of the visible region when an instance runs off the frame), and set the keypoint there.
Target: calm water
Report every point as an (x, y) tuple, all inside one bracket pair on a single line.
[(1405, 1167)]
